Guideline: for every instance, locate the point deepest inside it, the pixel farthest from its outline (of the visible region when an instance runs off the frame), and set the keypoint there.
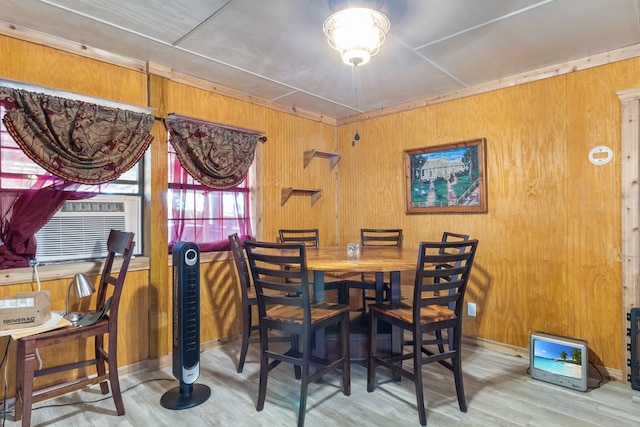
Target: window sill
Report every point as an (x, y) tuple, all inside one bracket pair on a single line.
[(24, 275), (63, 271)]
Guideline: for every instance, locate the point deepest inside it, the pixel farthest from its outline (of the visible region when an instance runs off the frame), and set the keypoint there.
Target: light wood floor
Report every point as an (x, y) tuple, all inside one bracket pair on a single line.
[(498, 389)]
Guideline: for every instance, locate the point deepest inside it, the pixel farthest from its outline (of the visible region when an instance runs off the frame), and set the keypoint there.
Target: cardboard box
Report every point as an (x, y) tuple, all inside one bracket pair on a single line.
[(24, 310)]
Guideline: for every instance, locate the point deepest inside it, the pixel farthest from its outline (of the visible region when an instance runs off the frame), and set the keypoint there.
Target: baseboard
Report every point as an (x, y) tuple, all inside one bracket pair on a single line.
[(167, 360), (512, 350), (607, 373)]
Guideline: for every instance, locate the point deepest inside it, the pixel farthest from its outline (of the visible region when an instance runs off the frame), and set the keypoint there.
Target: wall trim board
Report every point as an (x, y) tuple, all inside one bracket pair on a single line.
[(630, 210), (26, 34)]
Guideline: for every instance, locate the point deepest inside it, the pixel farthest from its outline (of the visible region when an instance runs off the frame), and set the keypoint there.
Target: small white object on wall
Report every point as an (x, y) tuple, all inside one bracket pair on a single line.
[(600, 155)]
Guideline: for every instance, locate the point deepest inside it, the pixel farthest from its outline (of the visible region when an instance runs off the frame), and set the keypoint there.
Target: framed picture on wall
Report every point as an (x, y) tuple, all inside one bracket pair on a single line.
[(447, 178)]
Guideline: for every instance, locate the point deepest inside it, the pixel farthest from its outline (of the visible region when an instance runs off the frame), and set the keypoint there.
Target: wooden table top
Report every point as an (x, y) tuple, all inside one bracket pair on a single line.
[(371, 259)]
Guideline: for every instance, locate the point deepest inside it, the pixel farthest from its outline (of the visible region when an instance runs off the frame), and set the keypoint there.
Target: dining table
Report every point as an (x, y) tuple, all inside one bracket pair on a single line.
[(380, 260)]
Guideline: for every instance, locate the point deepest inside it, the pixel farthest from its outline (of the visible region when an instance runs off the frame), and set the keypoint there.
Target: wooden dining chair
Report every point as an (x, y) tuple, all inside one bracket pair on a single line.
[(311, 239), (381, 237), (295, 313), (375, 237), (119, 243), (248, 299), (448, 236), (308, 237), (442, 276), (250, 332)]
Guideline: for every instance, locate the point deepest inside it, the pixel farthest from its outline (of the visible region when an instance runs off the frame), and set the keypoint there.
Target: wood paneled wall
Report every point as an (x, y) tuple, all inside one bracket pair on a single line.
[(549, 253), (34, 64), (133, 327)]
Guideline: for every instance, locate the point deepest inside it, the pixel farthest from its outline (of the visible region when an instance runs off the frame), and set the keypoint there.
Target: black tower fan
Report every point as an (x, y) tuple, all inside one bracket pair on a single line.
[(186, 329)]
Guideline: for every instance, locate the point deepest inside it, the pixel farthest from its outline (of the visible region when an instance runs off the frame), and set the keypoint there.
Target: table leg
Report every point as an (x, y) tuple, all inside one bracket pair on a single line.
[(396, 332), (318, 290), (318, 285), (379, 288)]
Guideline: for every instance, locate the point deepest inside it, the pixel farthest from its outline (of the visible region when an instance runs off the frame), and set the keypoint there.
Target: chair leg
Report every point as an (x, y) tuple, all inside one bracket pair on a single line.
[(346, 356), (264, 369), (457, 373), (373, 345), (295, 350), (456, 362), (113, 374), (439, 339), (100, 362), (246, 332), (304, 383), (24, 382), (417, 373)]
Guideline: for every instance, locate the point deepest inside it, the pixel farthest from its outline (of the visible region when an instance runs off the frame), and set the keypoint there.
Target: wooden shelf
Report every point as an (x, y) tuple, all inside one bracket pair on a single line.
[(310, 154), (287, 192)]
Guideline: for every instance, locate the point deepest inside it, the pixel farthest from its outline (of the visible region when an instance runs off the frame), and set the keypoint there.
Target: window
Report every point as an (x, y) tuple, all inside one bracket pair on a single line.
[(69, 233), (201, 214)]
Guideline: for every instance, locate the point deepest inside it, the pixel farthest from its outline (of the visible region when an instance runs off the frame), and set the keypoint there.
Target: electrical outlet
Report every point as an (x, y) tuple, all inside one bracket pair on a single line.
[(471, 309)]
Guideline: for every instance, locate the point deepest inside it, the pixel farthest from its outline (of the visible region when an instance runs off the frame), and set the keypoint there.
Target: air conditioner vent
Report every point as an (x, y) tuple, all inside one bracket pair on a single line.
[(91, 206), (80, 229)]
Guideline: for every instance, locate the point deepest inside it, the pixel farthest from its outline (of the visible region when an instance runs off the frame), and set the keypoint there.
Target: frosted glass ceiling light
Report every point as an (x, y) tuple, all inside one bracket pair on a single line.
[(357, 33)]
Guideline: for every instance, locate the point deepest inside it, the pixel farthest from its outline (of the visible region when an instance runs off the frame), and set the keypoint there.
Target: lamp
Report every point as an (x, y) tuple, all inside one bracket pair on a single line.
[(357, 33), (82, 287)]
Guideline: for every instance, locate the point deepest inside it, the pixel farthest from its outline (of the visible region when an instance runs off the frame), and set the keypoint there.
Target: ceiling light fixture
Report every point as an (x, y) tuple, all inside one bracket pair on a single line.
[(357, 33)]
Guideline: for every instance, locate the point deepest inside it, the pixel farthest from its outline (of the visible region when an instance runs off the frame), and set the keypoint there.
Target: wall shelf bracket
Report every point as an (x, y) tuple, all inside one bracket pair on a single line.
[(310, 154), (288, 191)]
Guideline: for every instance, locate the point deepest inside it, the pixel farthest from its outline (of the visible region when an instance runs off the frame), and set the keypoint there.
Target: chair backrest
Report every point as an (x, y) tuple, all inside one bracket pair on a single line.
[(275, 284), (308, 237), (241, 264), (381, 237), (442, 275), (448, 236), (119, 243)]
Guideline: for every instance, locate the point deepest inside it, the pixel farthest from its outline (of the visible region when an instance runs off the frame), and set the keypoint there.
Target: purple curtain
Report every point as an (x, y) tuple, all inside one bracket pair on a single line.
[(30, 211), (201, 228)]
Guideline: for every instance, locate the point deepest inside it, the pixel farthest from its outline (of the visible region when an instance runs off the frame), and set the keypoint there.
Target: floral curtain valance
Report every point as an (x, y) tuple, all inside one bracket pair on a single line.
[(216, 157), (76, 140)]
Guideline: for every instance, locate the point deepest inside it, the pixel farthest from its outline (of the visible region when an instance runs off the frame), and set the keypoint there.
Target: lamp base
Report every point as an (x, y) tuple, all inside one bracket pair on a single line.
[(73, 317)]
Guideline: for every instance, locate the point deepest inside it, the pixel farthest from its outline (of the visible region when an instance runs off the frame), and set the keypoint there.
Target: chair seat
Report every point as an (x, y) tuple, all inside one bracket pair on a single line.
[(404, 312), (64, 334), (319, 312)]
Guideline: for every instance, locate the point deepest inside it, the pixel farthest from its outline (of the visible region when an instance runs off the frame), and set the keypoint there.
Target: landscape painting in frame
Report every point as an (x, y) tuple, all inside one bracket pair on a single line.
[(446, 178)]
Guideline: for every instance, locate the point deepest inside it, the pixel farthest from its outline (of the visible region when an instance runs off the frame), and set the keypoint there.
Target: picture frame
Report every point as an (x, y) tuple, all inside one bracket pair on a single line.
[(448, 178)]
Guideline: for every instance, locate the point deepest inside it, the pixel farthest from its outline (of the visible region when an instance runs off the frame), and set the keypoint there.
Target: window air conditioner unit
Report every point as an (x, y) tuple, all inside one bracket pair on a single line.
[(80, 229)]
